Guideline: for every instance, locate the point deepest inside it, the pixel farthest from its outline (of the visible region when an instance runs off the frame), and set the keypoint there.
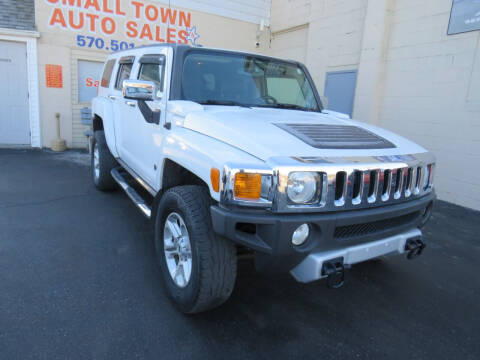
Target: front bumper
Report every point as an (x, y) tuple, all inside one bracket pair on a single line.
[(269, 234), (310, 268)]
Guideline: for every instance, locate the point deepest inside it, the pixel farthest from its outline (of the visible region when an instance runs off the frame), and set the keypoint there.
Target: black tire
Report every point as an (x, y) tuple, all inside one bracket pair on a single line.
[(214, 259), (104, 181)]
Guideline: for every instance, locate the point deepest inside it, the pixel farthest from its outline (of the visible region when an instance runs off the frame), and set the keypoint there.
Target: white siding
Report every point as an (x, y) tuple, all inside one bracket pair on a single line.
[(246, 10)]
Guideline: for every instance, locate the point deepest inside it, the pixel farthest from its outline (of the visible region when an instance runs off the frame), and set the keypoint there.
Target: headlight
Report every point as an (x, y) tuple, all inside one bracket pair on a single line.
[(302, 187)]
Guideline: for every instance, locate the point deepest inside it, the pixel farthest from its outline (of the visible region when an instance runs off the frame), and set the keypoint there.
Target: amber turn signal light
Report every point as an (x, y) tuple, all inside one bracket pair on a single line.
[(248, 186), (215, 179)]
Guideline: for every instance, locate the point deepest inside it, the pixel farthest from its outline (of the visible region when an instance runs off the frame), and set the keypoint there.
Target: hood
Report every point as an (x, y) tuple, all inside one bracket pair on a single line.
[(266, 132)]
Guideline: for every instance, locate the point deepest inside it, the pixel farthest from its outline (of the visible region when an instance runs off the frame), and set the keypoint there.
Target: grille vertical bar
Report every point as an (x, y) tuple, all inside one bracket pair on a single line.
[(373, 187), (387, 185), (409, 181), (341, 183), (358, 186), (400, 178), (418, 181)]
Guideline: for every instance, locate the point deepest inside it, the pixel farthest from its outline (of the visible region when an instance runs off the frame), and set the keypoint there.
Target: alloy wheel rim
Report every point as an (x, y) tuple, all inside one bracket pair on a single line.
[(177, 248), (96, 162)]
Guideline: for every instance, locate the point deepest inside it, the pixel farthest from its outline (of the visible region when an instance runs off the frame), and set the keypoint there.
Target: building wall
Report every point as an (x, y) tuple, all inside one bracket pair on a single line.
[(246, 10), (413, 78), (58, 45), (335, 31), (432, 94)]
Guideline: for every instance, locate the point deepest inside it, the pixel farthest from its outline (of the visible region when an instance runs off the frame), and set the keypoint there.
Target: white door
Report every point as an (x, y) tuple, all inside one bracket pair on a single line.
[(14, 120), (142, 121)]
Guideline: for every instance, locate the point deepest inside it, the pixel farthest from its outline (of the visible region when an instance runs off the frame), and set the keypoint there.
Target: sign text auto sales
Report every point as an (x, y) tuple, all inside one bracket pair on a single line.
[(137, 19)]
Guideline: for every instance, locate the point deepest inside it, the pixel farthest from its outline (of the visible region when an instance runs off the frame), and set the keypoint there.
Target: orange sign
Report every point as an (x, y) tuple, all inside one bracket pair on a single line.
[(53, 75)]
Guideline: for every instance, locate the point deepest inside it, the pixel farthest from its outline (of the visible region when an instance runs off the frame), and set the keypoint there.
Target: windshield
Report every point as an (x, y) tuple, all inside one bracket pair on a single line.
[(245, 80)]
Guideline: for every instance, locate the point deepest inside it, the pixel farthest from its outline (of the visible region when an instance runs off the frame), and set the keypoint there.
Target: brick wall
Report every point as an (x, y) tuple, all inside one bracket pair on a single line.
[(17, 14)]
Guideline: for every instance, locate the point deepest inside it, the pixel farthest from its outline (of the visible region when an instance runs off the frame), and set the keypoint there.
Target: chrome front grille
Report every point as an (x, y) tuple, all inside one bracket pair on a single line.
[(369, 187), (349, 184)]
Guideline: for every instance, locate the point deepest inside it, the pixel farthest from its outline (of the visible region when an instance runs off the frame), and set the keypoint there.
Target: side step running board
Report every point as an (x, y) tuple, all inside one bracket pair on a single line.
[(132, 194)]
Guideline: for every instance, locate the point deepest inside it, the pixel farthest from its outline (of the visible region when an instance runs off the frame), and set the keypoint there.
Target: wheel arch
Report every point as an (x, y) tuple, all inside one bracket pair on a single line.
[(102, 119), (174, 174)]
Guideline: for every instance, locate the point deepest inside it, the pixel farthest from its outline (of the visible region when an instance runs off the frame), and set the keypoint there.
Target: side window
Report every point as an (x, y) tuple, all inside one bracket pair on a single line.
[(123, 74), (107, 73), (154, 73)]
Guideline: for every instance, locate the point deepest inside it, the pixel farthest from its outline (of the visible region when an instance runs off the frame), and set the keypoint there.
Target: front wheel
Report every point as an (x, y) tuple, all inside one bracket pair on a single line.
[(198, 267)]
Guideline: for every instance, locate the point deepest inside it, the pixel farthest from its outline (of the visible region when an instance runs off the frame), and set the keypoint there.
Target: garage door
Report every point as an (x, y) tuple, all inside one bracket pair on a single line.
[(14, 122)]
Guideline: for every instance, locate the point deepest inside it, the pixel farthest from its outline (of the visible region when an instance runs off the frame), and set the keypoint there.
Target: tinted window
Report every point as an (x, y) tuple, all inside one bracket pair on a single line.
[(123, 74), (154, 73), (255, 81), (107, 73)]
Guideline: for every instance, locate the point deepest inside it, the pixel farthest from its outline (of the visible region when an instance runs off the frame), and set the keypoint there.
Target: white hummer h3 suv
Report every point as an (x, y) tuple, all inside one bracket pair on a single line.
[(233, 153)]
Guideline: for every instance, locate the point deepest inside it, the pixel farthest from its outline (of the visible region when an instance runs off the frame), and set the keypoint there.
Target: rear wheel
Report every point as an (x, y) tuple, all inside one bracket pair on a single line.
[(102, 163), (198, 267)]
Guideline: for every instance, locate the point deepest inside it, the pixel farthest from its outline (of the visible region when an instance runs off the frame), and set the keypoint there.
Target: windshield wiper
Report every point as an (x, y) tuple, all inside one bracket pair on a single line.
[(286, 106), (223, 102)]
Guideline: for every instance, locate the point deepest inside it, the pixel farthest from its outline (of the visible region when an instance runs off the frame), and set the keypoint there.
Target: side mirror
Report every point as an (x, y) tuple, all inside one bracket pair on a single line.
[(139, 90)]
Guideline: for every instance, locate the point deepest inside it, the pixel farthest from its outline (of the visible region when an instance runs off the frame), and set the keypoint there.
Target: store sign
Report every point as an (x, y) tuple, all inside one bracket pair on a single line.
[(100, 21), (464, 16), (88, 75)]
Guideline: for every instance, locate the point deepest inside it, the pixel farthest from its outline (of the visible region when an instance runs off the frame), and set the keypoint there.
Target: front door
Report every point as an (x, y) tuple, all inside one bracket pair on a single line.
[(14, 119), (140, 136)]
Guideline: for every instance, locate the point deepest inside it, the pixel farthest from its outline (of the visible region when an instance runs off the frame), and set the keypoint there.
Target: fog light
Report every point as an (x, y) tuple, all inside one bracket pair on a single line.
[(300, 235)]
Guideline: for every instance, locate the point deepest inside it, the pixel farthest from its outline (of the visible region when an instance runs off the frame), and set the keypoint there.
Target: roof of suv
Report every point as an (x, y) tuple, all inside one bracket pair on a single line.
[(184, 48)]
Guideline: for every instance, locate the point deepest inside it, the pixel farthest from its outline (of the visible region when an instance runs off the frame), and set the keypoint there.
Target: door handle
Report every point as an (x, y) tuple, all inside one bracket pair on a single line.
[(130, 103), (112, 97)]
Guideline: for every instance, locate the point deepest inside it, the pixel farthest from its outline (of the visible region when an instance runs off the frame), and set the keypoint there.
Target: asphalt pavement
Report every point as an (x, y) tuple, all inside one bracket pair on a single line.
[(78, 280)]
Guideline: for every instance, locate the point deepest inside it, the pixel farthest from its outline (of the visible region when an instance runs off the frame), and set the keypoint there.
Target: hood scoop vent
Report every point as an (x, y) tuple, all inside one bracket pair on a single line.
[(336, 136)]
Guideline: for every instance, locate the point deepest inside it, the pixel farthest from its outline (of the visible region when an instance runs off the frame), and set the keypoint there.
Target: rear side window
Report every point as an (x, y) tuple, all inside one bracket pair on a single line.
[(123, 74), (107, 73)]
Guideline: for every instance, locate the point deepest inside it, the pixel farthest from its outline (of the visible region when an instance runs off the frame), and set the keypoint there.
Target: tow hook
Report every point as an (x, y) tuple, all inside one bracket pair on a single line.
[(414, 247), (334, 270)]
